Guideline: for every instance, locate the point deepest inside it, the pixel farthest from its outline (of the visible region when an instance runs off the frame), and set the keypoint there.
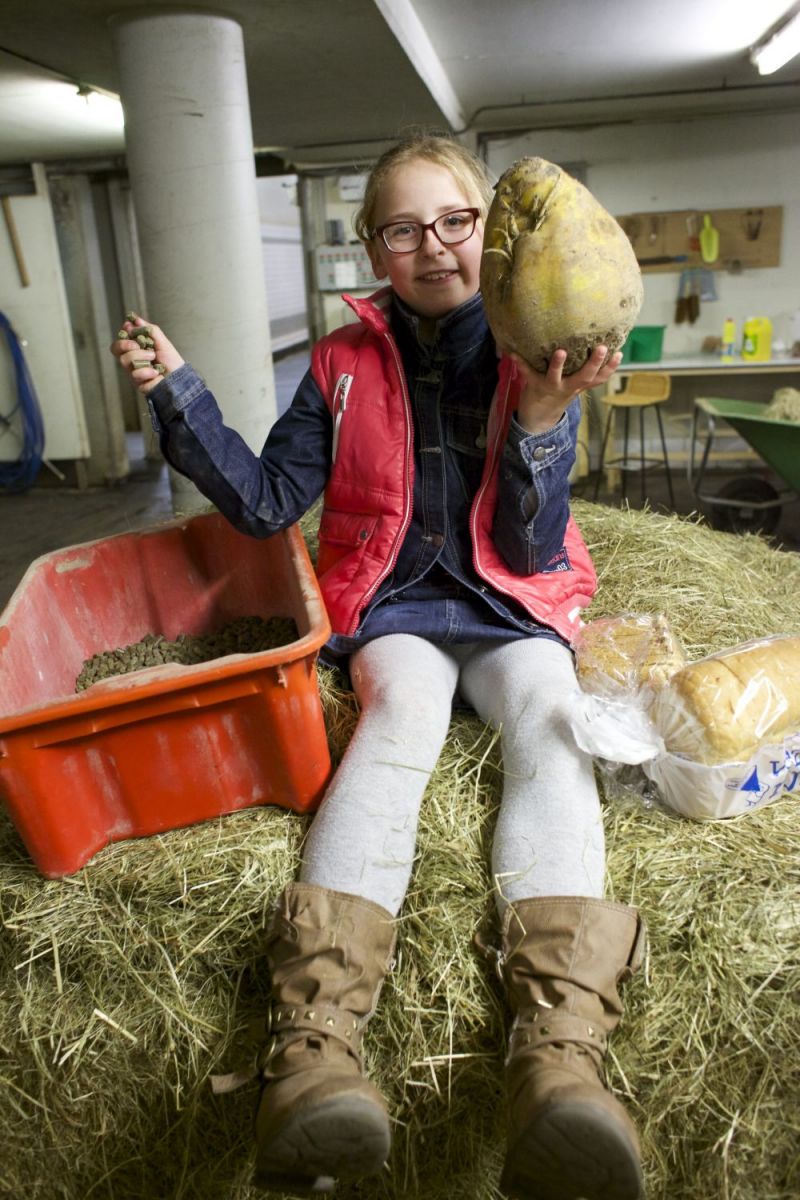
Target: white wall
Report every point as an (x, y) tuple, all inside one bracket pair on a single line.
[(277, 200), (282, 255), (39, 315), (710, 162)]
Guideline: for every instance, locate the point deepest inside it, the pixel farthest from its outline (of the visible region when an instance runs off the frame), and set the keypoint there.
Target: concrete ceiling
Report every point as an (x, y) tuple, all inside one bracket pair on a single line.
[(332, 79)]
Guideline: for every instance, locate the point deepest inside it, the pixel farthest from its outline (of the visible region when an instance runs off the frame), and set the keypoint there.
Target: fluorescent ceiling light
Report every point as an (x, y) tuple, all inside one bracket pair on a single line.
[(778, 49), (406, 26), (103, 108)]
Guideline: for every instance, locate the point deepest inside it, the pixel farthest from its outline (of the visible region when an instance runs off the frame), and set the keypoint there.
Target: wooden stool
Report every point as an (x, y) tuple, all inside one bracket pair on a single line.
[(645, 389)]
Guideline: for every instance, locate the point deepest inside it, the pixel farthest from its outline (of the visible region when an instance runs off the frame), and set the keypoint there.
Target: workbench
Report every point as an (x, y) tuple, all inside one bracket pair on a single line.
[(711, 364)]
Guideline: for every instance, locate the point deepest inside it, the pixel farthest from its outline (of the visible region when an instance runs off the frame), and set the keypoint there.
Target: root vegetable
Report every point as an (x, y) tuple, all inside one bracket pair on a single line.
[(557, 270)]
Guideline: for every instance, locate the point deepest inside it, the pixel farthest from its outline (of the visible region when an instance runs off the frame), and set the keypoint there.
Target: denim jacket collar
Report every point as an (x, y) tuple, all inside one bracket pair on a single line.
[(454, 335)]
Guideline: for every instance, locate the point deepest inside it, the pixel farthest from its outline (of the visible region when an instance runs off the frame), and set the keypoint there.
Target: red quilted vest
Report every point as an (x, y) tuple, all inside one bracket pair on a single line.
[(368, 499)]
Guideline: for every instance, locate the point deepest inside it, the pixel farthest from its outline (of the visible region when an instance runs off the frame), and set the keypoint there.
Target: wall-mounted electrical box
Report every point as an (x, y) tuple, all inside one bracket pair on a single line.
[(343, 268)]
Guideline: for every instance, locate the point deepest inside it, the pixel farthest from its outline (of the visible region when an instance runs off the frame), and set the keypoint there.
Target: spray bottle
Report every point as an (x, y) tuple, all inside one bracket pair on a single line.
[(728, 340)]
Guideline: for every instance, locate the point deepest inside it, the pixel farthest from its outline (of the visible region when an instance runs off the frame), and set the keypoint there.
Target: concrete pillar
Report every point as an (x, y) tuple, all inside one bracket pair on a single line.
[(190, 159)]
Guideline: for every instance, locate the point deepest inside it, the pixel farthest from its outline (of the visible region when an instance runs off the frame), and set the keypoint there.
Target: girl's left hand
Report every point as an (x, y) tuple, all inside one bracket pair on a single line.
[(139, 362), (544, 398)]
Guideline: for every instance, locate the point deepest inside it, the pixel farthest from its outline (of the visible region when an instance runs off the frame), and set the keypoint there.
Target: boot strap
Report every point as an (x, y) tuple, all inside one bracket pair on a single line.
[(535, 1026), (638, 951), (290, 1022)]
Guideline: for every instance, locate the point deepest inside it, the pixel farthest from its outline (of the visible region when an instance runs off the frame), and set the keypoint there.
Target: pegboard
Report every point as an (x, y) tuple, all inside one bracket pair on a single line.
[(748, 238)]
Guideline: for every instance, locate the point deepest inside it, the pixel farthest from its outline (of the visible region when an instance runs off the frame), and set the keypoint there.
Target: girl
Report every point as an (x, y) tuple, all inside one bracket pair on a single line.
[(449, 562)]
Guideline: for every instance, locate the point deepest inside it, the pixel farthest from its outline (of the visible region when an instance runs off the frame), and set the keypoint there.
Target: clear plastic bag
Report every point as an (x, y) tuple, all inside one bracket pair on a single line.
[(721, 708), (714, 791), (619, 657), (717, 737)]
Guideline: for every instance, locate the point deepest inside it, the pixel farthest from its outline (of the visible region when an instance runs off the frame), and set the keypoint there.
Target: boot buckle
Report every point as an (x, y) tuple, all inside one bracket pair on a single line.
[(491, 953), (266, 1054)]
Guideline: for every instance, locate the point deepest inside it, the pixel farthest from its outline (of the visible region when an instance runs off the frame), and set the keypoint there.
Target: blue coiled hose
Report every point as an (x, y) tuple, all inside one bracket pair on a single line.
[(20, 475)]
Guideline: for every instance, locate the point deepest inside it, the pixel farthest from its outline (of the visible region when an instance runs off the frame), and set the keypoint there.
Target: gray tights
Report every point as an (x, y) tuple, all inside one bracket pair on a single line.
[(549, 834)]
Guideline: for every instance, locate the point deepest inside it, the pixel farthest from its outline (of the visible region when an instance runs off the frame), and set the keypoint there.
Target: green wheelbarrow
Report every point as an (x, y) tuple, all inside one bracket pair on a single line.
[(749, 504)]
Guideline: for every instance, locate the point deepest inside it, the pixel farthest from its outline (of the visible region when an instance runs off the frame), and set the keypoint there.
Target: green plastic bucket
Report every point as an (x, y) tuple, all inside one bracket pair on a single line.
[(644, 344)]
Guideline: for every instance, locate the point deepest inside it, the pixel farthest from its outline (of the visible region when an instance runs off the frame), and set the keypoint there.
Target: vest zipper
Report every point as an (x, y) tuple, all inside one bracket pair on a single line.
[(343, 385), (488, 474), (407, 515)]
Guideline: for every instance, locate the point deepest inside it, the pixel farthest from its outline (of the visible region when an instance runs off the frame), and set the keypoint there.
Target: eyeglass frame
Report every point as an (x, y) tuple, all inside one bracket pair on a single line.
[(380, 230)]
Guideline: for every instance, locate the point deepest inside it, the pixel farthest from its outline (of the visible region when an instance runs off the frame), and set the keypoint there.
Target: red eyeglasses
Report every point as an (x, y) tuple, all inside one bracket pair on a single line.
[(404, 237)]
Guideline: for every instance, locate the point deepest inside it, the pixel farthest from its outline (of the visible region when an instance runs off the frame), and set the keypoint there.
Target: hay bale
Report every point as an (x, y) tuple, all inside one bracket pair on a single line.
[(784, 405), (126, 986)]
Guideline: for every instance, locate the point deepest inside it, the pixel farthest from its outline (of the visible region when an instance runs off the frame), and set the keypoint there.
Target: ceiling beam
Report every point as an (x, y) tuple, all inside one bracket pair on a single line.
[(406, 26)]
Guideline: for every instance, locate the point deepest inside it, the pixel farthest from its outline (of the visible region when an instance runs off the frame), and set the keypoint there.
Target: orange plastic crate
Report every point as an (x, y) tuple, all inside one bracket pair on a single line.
[(166, 746)]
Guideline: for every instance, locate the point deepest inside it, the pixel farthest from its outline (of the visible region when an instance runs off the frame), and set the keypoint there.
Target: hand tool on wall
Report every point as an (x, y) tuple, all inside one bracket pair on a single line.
[(16, 245), (682, 303), (708, 288), (709, 240), (693, 307), (751, 223), (661, 260)]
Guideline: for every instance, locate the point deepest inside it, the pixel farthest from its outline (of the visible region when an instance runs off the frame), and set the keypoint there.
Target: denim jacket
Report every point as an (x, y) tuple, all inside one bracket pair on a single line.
[(433, 590)]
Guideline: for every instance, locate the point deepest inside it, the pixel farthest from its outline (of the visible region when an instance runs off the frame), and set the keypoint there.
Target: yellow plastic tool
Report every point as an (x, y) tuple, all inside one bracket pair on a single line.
[(709, 241)]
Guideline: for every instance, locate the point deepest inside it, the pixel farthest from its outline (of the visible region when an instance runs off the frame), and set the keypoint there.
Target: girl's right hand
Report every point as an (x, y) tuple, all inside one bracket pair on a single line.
[(139, 361), (545, 397)]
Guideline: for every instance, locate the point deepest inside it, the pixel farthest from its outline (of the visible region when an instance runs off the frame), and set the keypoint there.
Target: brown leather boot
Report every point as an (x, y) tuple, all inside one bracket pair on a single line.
[(561, 959), (318, 1117)]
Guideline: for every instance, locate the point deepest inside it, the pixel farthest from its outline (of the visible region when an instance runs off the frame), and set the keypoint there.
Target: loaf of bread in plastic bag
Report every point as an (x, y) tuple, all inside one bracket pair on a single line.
[(620, 655), (721, 708)]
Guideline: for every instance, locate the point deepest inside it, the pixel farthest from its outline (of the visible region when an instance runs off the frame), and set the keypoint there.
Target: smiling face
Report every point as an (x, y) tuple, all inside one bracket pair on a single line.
[(436, 278)]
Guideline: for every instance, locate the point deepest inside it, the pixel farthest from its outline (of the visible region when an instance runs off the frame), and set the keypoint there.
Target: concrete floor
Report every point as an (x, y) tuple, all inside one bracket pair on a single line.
[(49, 518)]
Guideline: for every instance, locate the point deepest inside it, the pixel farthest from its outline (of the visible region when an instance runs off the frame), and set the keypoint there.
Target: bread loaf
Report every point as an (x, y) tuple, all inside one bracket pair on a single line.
[(721, 708), (625, 653)]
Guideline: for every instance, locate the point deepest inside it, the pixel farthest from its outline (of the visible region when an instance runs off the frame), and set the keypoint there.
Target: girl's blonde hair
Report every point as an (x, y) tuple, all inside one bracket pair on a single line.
[(438, 148)]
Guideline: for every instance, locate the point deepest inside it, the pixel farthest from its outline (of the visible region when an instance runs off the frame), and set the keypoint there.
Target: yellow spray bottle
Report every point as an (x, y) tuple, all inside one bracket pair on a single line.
[(728, 340)]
